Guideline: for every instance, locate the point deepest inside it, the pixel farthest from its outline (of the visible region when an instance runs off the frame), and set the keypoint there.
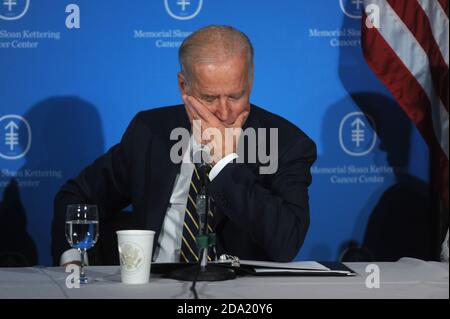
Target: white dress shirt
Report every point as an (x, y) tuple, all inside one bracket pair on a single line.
[(169, 241)]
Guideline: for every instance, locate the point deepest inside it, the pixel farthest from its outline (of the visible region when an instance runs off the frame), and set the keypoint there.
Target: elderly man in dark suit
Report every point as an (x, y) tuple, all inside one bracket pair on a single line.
[(257, 215)]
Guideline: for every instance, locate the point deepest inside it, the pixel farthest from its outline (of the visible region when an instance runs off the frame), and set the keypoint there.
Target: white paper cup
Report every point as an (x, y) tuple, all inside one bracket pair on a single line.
[(135, 253)]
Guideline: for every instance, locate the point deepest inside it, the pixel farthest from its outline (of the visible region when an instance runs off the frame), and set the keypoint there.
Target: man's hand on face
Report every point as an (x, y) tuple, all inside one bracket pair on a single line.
[(219, 144)]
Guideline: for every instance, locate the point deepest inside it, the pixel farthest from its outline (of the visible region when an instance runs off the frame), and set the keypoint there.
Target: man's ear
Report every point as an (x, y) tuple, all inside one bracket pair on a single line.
[(250, 82), (182, 84)]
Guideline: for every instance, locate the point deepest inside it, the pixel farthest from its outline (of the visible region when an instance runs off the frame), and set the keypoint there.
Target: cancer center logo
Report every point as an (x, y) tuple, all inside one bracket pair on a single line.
[(352, 8), (183, 9), (15, 137), (356, 134), (13, 9)]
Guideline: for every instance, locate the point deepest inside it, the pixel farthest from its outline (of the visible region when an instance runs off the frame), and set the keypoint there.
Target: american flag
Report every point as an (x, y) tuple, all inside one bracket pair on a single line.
[(405, 43)]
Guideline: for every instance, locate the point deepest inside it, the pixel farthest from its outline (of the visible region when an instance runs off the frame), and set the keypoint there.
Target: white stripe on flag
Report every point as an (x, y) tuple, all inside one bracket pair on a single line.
[(411, 53), (439, 24)]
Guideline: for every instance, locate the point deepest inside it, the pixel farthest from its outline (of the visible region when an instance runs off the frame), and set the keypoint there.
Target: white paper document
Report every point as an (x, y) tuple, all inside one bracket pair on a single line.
[(297, 265), (292, 267)]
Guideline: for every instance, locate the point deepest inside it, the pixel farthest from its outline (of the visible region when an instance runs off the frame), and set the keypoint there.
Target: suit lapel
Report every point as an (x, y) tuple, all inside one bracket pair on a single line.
[(163, 171), (254, 123)]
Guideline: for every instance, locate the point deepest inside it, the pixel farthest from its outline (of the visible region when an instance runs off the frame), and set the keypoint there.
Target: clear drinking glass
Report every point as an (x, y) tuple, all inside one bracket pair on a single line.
[(82, 230)]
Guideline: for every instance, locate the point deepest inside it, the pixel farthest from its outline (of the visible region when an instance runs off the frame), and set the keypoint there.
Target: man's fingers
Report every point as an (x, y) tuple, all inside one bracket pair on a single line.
[(192, 111), (201, 109), (186, 101), (241, 119)]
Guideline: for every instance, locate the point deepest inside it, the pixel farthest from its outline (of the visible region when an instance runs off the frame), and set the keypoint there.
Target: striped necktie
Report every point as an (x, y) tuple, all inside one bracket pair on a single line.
[(189, 251)]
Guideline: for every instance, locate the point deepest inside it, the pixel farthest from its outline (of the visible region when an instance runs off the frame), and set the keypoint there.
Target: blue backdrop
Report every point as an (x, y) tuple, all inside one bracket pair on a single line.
[(71, 89)]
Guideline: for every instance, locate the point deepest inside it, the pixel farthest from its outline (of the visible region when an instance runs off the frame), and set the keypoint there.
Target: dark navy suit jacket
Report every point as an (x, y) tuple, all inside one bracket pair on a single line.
[(258, 216)]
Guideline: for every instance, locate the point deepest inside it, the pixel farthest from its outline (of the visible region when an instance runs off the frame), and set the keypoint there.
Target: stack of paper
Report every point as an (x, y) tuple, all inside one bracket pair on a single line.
[(313, 267)]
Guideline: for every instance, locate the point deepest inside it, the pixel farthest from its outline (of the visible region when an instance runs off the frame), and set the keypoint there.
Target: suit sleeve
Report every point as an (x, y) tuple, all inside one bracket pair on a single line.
[(106, 183), (275, 213)]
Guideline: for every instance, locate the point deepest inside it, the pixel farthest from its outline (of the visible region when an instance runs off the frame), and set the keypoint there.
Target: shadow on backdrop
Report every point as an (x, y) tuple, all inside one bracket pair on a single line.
[(400, 224), (347, 206), (17, 248), (66, 136), (395, 222)]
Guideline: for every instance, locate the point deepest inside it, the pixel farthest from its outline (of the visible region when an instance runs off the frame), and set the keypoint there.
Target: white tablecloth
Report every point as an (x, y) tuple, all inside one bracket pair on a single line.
[(407, 278)]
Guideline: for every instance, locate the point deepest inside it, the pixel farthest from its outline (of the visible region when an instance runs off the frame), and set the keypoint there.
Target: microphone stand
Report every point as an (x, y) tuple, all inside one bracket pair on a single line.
[(202, 270)]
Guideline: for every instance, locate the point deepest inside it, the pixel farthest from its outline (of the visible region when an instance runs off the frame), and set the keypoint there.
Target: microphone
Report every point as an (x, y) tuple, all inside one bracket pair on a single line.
[(200, 155), (202, 271)]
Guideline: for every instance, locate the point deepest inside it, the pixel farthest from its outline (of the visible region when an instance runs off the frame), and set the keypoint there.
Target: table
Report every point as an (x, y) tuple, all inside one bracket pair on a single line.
[(406, 278)]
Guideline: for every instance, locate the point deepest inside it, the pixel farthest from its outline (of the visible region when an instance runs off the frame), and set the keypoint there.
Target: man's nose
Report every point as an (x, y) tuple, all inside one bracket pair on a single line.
[(222, 110)]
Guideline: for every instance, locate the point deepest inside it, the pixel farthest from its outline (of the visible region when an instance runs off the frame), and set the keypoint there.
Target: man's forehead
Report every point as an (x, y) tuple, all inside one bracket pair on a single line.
[(212, 90), (220, 84)]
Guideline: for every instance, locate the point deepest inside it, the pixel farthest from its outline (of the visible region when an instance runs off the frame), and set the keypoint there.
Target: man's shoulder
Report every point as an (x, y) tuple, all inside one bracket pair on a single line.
[(290, 136), (286, 129), (161, 112), (161, 118)]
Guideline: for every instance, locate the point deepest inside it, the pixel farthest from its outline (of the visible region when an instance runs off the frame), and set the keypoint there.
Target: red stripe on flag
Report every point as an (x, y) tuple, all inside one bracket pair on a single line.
[(385, 63), (444, 5), (418, 23)]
